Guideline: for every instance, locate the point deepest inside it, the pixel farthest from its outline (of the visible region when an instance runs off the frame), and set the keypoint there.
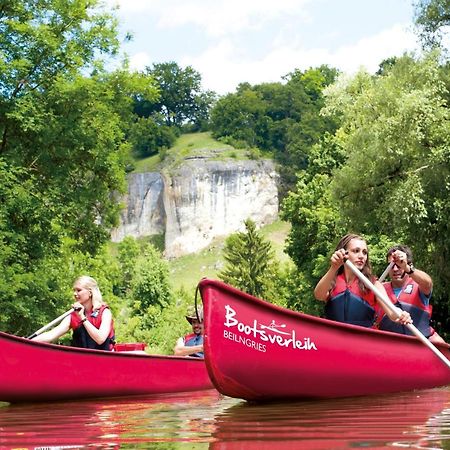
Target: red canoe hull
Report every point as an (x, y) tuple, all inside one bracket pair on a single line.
[(32, 371), (257, 351)]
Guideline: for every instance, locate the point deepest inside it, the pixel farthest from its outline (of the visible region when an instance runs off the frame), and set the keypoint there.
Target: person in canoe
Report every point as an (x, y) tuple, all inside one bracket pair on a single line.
[(410, 289), (192, 344), (91, 321), (347, 299)]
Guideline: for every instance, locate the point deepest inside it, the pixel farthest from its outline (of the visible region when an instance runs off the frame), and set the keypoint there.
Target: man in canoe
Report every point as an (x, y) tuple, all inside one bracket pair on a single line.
[(192, 344), (91, 321), (410, 289), (347, 299)]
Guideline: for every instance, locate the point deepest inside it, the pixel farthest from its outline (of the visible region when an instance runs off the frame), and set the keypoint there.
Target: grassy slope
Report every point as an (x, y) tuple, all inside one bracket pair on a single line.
[(188, 270), (189, 145)]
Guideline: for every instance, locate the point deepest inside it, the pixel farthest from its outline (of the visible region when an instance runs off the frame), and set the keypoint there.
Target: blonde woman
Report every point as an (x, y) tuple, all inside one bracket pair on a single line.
[(91, 322)]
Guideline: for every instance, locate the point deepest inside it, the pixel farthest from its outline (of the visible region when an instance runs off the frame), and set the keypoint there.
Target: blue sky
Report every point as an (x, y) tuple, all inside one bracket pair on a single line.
[(255, 41)]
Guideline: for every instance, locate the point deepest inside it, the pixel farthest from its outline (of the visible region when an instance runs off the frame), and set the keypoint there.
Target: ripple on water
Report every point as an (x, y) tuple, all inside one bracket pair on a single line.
[(206, 419)]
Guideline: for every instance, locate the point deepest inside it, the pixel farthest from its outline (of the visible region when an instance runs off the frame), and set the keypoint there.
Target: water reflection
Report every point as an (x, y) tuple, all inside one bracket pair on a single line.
[(419, 419), (113, 423), (207, 420)]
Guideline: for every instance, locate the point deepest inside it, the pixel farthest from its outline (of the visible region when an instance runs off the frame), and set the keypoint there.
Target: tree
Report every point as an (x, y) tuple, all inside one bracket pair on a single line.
[(238, 115), (53, 120), (148, 136), (128, 252), (150, 287), (431, 18), (396, 178), (181, 98), (316, 223), (281, 118), (249, 262), (62, 146), (43, 41)]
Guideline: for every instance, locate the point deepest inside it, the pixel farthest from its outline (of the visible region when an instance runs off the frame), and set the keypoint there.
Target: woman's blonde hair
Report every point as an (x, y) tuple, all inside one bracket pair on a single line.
[(91, 285)]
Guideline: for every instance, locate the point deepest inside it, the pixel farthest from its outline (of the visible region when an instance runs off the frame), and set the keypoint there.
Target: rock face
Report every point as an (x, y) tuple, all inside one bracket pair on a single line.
[(199, 202), (143, 214)]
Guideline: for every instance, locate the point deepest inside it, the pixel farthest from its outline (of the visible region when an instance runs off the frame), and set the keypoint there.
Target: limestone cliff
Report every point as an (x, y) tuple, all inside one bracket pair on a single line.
[(200, 201)]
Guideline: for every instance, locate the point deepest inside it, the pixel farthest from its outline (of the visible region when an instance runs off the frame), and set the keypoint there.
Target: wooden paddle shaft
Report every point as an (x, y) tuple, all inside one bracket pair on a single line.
[(384, 298), (49, 325)]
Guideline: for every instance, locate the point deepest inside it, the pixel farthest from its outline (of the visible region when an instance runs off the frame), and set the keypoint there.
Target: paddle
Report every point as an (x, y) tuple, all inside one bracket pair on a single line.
[(386, 271), (49, 325), (383, 297)]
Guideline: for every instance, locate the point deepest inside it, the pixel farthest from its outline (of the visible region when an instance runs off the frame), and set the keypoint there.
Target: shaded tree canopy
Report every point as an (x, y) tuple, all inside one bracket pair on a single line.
[(62, 147)]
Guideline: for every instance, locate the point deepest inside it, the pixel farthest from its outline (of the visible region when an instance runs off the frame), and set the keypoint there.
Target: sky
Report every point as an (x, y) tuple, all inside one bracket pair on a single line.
[(256, 41)]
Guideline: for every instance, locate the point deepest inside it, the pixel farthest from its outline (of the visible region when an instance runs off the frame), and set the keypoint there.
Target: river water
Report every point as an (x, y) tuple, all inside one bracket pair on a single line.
[(207, 420)]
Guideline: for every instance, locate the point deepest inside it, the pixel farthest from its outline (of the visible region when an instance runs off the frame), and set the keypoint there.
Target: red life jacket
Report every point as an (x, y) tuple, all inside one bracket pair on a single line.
[(408, 300), (81, 338), (193, 339), (346, 303)]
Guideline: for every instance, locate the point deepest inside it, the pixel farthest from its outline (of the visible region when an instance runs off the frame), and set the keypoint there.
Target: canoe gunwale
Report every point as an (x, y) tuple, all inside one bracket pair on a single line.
[(97, 353)]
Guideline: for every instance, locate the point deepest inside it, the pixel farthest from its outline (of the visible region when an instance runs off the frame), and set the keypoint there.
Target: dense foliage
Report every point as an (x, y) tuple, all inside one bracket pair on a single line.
[(182, 105), (62, 150), (432, 16), (182, 100), (280, 118), (391, 174)]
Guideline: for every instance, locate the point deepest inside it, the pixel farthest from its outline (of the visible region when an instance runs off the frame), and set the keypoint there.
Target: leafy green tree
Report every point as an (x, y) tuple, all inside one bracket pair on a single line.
[(250, 264), (281, 118), (167, 325), (431, 18), (43, 46), (316, 223), (239, 115), (150, 287), (396, 177), (181, 99), (128, 251), (62, 146), (148, 136), (42, 40)]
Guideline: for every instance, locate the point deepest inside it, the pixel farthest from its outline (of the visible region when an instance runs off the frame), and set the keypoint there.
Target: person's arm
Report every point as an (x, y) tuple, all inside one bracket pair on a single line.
[(324, 285), (436, 339), (182, 350), (419, 276), (396, 314), (55, 333), (423, 280), (99, 335)]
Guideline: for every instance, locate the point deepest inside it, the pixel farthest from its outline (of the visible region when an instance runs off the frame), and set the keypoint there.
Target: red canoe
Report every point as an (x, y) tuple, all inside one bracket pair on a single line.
[(34, 371), (258, 351)]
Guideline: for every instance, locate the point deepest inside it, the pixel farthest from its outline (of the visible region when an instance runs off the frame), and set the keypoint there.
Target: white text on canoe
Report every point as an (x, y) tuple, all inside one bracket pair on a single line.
[(266, 333)]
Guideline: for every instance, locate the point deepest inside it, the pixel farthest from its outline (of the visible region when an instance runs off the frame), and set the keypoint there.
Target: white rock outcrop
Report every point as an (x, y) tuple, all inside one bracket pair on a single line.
[(143, 214), (202, 200)]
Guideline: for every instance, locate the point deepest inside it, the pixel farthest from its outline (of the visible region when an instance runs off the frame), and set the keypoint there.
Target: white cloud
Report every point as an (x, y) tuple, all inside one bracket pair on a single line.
[(371, 51), (139, 61), (222, 70), (216, 18), (225, 58)]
